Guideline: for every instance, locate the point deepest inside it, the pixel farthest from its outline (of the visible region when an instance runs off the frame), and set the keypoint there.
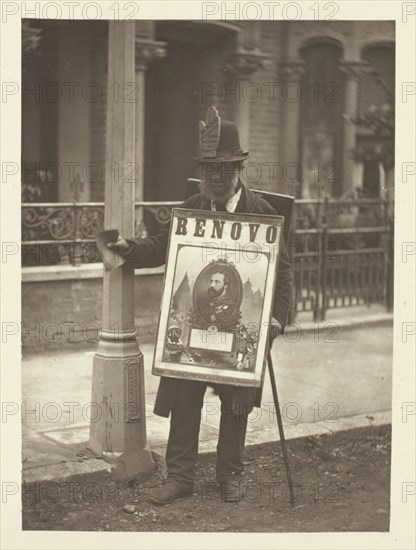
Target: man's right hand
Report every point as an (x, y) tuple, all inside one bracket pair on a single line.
[(121, 246)]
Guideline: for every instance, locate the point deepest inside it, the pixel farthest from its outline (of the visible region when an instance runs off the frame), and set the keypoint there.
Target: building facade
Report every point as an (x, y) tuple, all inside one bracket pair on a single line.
[(301, 92), (294, 88)]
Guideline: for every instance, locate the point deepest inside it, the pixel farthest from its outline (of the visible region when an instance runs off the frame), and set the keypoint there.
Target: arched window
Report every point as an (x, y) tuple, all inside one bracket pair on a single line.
[(376, 101), (321, 118), (377, 87)]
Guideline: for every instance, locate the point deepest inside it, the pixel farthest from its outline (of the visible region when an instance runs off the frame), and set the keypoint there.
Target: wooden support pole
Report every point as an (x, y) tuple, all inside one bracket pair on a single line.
[(281, 429)]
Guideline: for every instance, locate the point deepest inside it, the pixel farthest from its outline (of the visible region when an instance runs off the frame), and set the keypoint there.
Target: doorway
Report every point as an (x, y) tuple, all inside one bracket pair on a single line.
[(171, 125)]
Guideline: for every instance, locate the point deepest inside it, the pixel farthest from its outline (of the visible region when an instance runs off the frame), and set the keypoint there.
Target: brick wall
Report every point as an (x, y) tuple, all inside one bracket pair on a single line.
[(264, 121), (68, 313)]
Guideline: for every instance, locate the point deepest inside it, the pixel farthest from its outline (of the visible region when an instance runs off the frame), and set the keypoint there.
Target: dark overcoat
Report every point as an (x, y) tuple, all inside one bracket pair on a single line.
[(152, 252)]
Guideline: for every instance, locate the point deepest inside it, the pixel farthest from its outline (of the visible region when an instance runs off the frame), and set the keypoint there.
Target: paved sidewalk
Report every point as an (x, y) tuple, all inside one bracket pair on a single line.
[(329, 379)]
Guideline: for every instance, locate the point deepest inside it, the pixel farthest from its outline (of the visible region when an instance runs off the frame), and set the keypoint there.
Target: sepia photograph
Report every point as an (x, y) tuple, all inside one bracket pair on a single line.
[(200, 115), (209, 260)]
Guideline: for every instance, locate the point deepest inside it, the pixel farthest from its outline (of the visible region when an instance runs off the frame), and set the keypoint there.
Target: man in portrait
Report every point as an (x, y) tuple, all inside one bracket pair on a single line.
[(221, 160), (218, 306)]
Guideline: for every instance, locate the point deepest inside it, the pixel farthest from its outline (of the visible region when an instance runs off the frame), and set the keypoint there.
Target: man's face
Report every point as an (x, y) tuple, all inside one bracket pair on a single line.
[(219, 180), (216, 285)]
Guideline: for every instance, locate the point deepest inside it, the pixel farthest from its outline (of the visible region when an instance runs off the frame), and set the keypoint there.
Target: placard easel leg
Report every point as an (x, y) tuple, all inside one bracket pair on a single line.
[(281, 431)]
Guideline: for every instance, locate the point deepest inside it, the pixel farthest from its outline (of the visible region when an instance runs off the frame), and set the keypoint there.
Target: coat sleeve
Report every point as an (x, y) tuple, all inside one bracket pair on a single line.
[(152, 251), (148, 251), (283, 288), (284, 277)]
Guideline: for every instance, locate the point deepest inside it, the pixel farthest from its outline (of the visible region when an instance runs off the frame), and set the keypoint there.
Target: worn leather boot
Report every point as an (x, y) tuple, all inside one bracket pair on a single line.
[(231, 490), (169, 492)]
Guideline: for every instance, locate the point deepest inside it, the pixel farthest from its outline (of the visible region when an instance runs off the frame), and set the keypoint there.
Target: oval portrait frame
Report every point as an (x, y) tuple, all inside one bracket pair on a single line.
[(235, 292)]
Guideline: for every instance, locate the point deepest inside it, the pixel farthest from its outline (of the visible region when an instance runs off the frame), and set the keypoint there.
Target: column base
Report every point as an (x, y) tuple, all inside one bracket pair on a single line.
[(119, 400), (118, 395)]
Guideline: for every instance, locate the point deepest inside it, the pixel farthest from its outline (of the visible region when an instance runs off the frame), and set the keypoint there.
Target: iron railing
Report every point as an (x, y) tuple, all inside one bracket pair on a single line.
[(64, 233), (341, 252), (341, 249)]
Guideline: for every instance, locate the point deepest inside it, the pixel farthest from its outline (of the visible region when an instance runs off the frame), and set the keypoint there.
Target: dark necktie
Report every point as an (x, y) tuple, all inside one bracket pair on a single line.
[(220, 207)]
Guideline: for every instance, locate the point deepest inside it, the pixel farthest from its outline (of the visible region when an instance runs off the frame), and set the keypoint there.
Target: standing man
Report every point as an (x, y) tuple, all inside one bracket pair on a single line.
[(221, 159)]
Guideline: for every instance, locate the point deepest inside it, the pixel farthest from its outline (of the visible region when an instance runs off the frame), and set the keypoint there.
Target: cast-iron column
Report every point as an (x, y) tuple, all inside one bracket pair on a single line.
[(291, 76), (353, 70)]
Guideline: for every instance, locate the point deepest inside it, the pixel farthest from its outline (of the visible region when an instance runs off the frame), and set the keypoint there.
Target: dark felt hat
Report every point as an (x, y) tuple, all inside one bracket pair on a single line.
[(219, 140)]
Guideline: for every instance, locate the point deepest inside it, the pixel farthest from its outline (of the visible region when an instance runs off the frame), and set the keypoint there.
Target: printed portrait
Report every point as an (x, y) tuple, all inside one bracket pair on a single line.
[(217, 295)]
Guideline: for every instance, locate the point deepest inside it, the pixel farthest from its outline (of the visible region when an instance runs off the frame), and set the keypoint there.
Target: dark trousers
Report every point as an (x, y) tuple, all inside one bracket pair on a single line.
[(182, 449)]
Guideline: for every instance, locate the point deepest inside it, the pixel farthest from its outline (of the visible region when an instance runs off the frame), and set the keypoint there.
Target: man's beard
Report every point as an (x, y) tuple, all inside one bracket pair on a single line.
[(212, 293), (222, 195)]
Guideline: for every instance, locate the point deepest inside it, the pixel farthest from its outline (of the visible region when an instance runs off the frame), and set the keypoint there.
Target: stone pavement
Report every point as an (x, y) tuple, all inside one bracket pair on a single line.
[(334, 378)]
